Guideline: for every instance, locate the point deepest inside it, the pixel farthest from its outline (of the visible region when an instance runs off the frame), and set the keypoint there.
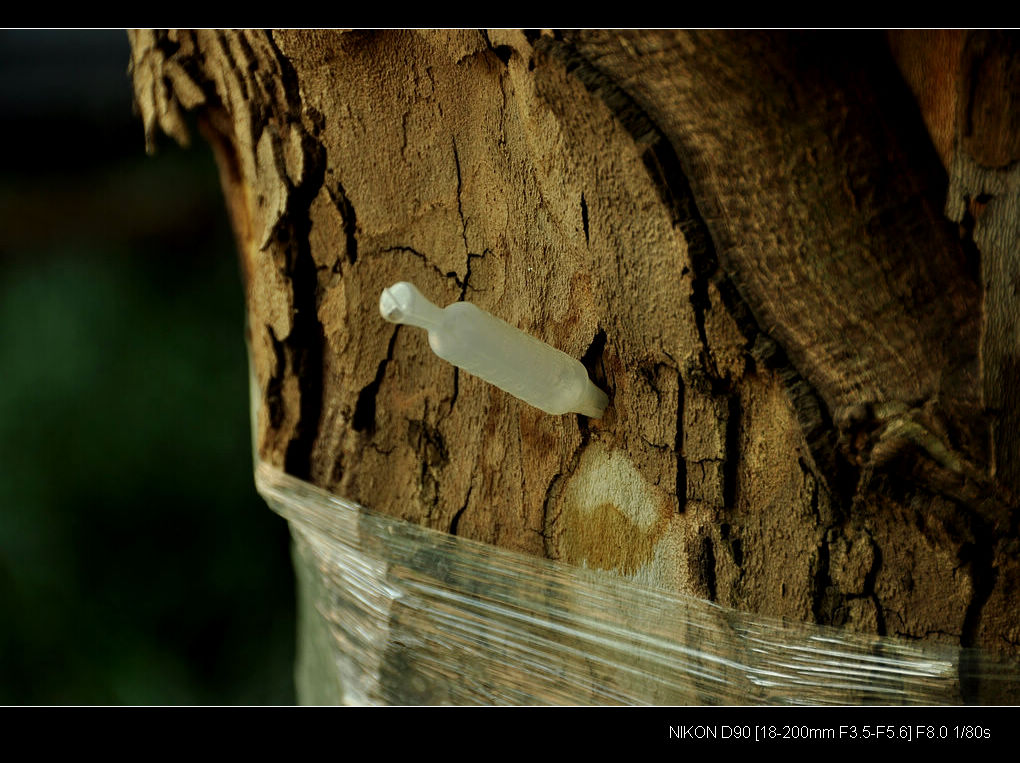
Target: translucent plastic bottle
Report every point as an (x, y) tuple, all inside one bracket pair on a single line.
[(493, 350)]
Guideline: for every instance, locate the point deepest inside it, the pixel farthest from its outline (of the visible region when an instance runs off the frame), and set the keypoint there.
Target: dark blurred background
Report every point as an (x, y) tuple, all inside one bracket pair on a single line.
[(137, 563)]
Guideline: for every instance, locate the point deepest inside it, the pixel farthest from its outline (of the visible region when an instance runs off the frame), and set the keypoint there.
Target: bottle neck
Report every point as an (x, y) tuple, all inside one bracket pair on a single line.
[(403, 303)]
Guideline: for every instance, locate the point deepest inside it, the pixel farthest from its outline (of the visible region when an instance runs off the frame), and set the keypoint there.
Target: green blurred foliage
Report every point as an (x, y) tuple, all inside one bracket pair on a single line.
[(137, 563)]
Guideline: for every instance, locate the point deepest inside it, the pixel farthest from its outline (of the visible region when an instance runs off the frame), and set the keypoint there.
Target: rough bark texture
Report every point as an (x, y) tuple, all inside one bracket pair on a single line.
[(811, 354)]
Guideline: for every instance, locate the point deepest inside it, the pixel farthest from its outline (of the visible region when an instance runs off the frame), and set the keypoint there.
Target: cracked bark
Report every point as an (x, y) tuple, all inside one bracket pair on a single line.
[(812, 375)]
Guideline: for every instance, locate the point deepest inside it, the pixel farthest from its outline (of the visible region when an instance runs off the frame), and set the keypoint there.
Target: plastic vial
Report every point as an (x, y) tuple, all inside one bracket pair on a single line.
[(493, 350)]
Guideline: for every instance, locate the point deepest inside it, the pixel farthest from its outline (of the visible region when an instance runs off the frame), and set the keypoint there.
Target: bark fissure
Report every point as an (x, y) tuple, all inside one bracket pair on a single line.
[(307, 337), (552, 491), (460, 204), (825, 602), (456, 387), (705, 563), (455, 522), (828, 600), (348, 217), (431, 265), (592, 358), (979, 556), (428, 441), (871, 592), (274, 387), (555, 486), (502, 52), (733, 454), (363, 419), (228, 55), (584, 219), (678, 447), (464, 285), (812, 416)]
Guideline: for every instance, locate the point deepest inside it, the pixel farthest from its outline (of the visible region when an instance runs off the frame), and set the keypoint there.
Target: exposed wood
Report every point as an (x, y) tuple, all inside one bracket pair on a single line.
[(742, 235), (930, 62), (968, 88)]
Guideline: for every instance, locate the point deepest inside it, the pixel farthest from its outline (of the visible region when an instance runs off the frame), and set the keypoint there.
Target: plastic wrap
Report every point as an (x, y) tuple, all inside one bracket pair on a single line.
[(392, 613)]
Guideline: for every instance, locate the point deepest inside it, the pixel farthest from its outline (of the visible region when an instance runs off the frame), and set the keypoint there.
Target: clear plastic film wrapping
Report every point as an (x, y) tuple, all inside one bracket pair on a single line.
[(393, 613)]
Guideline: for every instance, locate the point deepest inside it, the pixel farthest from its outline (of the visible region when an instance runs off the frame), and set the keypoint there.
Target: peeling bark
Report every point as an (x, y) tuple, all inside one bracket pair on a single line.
[(806, 327)]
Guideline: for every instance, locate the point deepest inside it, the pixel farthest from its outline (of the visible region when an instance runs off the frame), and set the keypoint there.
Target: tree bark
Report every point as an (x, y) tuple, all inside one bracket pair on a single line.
[(807, 327)]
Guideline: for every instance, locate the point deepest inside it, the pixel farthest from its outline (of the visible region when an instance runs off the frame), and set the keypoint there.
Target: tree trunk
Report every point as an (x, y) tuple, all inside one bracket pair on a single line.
[(811, 367)]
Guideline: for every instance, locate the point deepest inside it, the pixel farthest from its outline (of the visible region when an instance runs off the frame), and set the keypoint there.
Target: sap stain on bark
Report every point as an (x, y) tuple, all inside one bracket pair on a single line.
[(610, 517)]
